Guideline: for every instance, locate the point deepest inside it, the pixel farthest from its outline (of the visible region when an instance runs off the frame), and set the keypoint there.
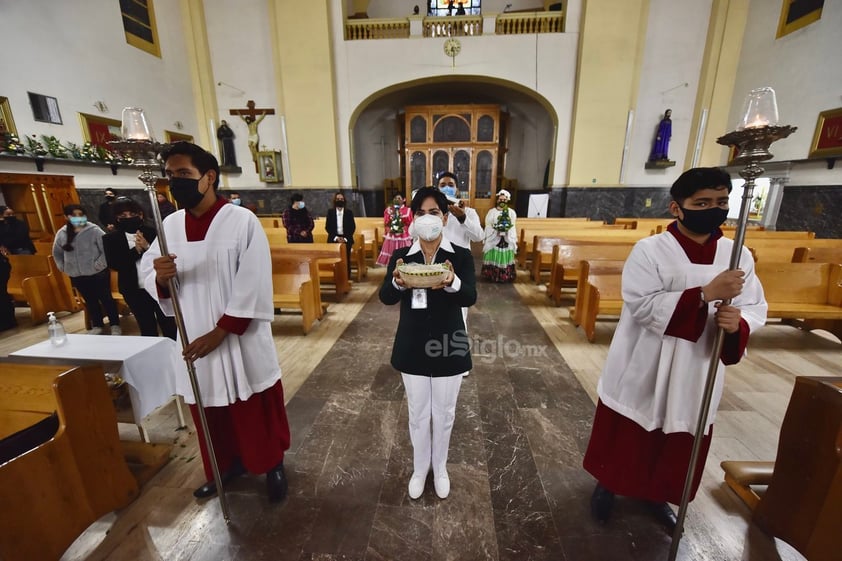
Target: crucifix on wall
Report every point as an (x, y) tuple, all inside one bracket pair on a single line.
[(252, 116)]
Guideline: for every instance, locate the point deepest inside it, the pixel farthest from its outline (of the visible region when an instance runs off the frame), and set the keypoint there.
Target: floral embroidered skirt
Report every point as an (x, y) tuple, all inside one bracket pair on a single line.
[(390, 245), (498, 264)]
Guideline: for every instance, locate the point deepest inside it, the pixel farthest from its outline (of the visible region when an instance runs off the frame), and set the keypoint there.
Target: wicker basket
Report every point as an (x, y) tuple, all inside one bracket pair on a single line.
[(417, 275)]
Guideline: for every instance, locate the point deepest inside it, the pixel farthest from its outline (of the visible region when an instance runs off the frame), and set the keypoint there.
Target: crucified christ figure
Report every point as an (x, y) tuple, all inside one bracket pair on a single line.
[(254, 137)]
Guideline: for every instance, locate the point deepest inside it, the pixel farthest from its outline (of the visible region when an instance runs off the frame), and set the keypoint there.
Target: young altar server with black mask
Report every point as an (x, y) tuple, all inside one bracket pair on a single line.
[(220, 256), (652, 383)]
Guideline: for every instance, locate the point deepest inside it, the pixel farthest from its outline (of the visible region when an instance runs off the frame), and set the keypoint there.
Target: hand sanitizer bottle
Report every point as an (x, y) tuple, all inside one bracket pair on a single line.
[(56, 330)]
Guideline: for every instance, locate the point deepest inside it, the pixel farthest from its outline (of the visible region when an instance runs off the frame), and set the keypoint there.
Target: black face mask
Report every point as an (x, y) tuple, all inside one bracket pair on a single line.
[(704, 221), (340, 204), (185, 191), (11, 219), (110, 197), (130, 225)]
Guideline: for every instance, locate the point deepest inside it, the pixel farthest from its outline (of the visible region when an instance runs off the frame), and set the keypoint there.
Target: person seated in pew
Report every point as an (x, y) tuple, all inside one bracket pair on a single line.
[(298, 221), (220, 255), (123, 249), (340, 225), (14, 234), (652, 383)]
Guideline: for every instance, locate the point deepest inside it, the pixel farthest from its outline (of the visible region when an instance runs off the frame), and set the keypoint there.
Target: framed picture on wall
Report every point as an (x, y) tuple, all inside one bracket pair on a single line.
[(7, 123), (796, 14), (170, 137), (270, 167), (99, 130), (827, 140)]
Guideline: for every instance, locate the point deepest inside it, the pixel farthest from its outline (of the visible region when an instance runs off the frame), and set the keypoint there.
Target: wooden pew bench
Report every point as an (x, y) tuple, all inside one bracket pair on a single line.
[(68, 479), (817, 255), (295, 284), (36, 280), (567, 259), (602, 295), (782, 250), (331, 259), (589, 271), (802, 504), (543, 249), (810, 293)]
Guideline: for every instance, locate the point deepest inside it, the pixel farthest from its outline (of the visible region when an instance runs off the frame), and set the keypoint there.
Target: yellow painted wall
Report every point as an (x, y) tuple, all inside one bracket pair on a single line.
[(303, 45), (716, 85), (612, 36)]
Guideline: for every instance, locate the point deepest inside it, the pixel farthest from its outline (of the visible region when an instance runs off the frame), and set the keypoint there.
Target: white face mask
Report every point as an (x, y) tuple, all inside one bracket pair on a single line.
[(428, 227)]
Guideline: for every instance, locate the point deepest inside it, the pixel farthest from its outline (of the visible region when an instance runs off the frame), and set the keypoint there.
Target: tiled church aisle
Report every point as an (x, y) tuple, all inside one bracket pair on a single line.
[(518, 489)]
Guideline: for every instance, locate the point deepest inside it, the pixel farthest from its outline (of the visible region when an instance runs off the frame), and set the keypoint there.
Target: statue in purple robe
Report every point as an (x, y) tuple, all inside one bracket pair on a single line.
[(660, 147)]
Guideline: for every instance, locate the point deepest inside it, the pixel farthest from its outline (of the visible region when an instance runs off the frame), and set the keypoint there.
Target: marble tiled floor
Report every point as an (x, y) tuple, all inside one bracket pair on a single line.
[(518, 490)]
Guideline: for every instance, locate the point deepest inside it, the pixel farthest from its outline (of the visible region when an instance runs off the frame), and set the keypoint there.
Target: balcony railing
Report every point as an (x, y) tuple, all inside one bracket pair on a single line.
[(535, 22), (377, 29), (455, 26)]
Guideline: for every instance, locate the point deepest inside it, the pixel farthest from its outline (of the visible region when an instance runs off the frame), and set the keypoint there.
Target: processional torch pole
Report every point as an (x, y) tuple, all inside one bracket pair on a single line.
[(756, 132), (139, 144)]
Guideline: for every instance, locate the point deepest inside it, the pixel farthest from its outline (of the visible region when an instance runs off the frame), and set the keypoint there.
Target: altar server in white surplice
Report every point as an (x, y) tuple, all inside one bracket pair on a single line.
[(220, 257), (651, 387)]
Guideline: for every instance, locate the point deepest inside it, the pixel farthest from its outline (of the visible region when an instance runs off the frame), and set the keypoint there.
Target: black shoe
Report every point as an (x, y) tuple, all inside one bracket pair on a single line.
[(602, 502), (209, 488), (664, 515), (276, 484)]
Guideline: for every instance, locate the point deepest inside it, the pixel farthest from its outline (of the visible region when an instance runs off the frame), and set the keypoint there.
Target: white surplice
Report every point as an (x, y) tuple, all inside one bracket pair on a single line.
[(229, 272), (654, 379)]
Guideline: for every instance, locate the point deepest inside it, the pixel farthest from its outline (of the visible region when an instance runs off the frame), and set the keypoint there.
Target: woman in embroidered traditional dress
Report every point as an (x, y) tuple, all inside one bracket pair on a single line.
[(500, 246), (396, 220)]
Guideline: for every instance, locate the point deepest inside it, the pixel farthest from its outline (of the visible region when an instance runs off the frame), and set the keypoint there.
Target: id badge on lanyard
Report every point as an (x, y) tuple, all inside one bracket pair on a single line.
[(419, 298)]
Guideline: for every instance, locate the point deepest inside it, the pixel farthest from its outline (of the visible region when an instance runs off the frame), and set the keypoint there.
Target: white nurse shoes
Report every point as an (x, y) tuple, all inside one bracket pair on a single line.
[(416, 485), (442, 485)]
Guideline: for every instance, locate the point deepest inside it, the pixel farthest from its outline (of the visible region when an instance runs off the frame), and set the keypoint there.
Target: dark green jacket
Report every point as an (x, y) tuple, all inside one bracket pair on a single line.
[(433, 342)]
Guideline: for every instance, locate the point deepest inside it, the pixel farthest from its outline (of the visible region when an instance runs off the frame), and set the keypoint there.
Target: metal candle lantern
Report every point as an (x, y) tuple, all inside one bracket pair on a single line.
[(139, 144), (756, 132)]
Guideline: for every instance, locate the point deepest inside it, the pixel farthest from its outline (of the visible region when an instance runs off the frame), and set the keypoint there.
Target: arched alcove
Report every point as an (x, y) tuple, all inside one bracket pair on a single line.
[(377, 125)]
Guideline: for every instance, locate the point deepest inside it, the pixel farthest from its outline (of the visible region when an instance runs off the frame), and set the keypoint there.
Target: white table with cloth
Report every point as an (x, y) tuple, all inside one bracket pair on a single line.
[(145, 363)]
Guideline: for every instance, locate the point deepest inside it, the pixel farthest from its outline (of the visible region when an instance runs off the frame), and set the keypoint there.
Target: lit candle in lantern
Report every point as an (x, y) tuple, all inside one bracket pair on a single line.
[(759, 110), (134, 125)]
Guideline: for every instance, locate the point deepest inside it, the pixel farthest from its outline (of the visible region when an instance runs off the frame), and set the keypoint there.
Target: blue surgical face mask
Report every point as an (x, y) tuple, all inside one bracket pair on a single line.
[(237, 202), (449, 190), (78, 221), (300, 205)]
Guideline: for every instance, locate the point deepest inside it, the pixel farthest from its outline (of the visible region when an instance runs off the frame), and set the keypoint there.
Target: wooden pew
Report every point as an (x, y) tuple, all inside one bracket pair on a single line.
[(646, 223), (589, 270), (544, 250), (358, 263), (808, 292), (771, 234), (332, 258), (270, 221), (803, 502), (567, 259), (817, 255), (295, 284), (782, 250), (69, 477), (36, 280), (602, 295)]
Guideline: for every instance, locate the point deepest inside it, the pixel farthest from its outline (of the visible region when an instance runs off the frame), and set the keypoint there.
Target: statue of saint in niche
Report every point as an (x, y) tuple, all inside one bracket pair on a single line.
[(226, 146), (659, 156)]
